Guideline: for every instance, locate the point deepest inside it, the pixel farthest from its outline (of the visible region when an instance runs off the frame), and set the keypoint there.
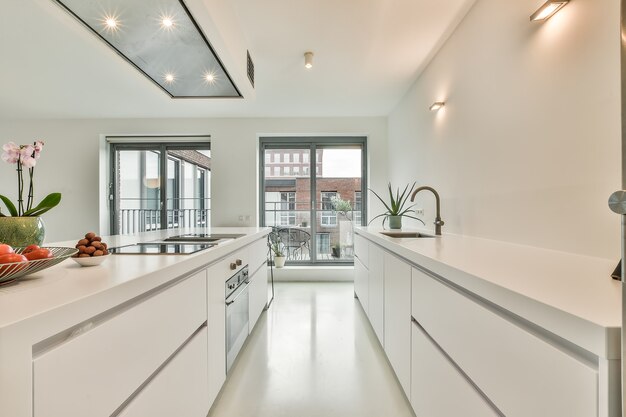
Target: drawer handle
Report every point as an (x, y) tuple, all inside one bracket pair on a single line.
[(238, 262), (233, 266)]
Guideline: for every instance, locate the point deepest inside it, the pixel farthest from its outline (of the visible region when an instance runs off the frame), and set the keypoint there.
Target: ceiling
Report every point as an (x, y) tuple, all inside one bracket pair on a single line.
[(367, 54)]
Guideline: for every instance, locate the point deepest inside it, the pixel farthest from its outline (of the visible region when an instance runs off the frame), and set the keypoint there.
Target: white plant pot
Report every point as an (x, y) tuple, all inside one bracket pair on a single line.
[(279, 261)]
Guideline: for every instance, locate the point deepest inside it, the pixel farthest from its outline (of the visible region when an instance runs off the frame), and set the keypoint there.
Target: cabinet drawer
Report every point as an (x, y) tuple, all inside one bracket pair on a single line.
[(438, 389), (361, 285), (375, 308), (521, 373), (397, 318), (179, 389), (94, 373), (258, 254), (361, 249)]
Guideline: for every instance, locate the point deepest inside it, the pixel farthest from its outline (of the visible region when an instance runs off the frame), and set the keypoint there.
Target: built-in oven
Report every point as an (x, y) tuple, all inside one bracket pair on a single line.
[(237, 314)]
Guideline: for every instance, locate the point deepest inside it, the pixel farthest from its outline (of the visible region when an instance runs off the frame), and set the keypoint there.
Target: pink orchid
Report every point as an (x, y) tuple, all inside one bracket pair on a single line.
[(11, 153), (26, 156), (38, 148)]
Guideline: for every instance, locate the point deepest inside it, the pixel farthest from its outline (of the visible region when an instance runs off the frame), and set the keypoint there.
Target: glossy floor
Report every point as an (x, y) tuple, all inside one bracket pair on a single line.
[(312, 354)]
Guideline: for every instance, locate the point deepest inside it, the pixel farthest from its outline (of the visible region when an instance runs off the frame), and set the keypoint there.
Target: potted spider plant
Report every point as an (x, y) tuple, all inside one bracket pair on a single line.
[(396, 207), (277, 250)]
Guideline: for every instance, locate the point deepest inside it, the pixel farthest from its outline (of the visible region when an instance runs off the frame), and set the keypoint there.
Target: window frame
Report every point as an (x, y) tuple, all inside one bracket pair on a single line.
[(309, 164)]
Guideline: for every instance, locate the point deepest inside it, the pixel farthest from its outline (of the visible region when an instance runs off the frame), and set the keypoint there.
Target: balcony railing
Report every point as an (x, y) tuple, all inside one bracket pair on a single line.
[(133, 220), (292, 222)]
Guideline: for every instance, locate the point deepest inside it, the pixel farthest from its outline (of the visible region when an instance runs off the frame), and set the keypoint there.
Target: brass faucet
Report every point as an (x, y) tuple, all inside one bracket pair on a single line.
[(438, 221)]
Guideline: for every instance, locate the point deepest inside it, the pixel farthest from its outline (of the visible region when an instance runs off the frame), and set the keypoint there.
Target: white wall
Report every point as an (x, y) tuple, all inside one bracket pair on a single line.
[(70, 161), (527, 149)]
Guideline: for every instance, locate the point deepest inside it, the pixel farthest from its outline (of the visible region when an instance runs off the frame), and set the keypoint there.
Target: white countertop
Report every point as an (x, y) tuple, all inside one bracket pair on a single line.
[(572, 296), (91, 290)]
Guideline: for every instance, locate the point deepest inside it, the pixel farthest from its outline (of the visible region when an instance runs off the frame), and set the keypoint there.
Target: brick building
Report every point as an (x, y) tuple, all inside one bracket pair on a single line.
[(288, 197)]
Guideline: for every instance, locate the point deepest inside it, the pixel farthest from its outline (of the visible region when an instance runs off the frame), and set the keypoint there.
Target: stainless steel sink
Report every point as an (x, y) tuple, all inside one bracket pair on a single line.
[(405, 235)]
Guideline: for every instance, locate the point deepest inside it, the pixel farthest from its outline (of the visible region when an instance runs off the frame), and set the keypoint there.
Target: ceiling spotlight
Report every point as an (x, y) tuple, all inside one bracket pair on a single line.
[(169, 78), (308, 60), (111, 23), (209, 77), (437, 105), (548, 9), (167, 22)]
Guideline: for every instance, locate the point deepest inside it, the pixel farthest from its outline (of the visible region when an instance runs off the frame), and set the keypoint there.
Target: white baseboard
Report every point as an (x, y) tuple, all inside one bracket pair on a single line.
[(314, 273)]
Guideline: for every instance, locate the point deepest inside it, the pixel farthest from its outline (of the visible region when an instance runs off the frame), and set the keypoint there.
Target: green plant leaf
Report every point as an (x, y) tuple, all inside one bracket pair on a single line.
[(403, 213), (51, 201), (10, 206), (392, 201), (381, 200), (405, 196), (380, 215)]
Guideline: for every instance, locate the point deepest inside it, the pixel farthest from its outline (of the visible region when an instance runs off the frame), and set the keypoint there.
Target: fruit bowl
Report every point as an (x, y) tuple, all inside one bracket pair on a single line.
[(12, 271), (90, 260)]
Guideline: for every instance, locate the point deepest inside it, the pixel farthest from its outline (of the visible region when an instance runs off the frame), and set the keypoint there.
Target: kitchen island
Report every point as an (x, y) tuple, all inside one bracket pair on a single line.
[(505, 329), (120, 338)]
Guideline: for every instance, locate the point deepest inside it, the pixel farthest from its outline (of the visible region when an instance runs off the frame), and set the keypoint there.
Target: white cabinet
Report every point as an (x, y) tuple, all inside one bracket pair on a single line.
[(376, 290), (258, 295), (438, 389), (361, 287), (397, 317), (522, 373), (93, 373), (216, 325), (180, 388), (361, 250)]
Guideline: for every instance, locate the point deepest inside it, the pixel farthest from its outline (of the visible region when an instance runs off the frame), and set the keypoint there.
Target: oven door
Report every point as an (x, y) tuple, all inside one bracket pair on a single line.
[(237, 317)]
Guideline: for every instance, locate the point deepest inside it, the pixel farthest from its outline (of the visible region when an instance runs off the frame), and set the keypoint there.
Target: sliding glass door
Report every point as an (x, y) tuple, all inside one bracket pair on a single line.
[(159, 186), (311, 196)]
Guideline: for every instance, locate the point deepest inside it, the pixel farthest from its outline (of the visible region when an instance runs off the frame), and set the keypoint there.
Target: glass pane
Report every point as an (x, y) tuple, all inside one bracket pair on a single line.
[(287, 191), (339, 203), (189, 188), (139, 185)]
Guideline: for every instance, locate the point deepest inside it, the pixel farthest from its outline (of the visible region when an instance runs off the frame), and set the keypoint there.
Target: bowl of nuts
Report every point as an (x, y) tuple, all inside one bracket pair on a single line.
[(92, 250)]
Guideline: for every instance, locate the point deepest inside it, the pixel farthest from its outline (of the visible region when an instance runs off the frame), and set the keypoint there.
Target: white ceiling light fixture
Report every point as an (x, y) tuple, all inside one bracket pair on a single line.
[(169, 78), (548, 10), (308, 60), (437, 105)]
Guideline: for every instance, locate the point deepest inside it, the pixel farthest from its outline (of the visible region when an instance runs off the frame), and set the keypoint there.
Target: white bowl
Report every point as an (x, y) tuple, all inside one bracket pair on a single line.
[(91, 261)]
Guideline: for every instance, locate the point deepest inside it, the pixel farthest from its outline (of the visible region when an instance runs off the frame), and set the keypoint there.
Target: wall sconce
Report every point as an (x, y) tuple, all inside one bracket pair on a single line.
[(437, 105), (308, 60), (548, 10)]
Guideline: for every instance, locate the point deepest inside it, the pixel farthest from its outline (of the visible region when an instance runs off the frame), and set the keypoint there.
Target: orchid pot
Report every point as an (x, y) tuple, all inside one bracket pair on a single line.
[(22, 231)]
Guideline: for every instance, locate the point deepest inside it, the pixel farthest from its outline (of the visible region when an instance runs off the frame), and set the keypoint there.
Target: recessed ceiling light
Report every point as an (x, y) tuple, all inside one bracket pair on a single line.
[(209, 77), (169, 78), (167, 22), (111, 23), (548, 9)]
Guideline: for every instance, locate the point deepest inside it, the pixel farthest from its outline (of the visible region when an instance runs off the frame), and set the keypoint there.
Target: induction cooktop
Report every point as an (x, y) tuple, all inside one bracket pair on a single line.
[(152, 248)]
